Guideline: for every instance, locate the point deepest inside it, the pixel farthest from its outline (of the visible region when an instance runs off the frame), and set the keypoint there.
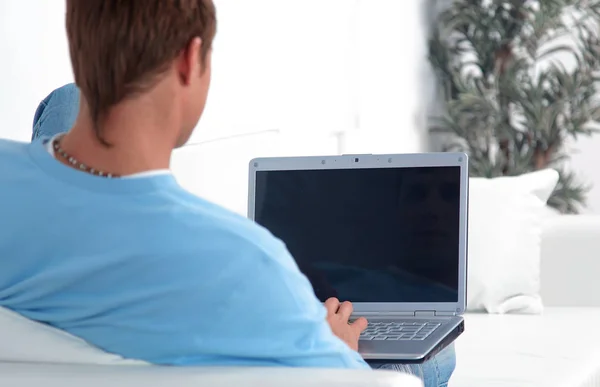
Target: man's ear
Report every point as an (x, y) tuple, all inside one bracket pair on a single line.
[(188, 61)]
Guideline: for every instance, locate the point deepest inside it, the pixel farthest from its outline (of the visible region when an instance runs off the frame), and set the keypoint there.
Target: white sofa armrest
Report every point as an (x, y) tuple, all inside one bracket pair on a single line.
[(570, 261), (47, 375), (217, 168)]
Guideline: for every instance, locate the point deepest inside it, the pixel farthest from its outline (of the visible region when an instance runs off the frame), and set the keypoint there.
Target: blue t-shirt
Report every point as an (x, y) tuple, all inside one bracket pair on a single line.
[(142, 268)]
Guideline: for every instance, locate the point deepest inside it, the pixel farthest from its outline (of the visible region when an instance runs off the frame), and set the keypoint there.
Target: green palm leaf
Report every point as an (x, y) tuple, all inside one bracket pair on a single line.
[(510, 100)]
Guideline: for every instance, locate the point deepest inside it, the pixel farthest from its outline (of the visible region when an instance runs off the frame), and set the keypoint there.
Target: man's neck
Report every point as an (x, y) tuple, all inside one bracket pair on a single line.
[(139, 142)]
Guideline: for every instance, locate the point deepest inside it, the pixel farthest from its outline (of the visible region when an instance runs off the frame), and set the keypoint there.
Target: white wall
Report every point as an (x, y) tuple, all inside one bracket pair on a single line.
[(290, 77), (281, 65), (304, 68), (300, 66), (585, 161), (34, 59), (394, 82)]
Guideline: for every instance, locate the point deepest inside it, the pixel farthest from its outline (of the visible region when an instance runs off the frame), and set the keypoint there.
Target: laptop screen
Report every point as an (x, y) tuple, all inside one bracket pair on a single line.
[(368, 235)]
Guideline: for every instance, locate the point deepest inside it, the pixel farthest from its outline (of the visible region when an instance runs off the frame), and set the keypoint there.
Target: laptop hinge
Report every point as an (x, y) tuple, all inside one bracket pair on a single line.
[(433, 313), (424, 313), (367, 314), (418, 313), (444, 313)]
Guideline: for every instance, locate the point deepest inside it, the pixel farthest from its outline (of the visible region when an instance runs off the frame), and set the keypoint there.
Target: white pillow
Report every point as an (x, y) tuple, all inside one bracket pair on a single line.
[(27, 341), (506, 216)]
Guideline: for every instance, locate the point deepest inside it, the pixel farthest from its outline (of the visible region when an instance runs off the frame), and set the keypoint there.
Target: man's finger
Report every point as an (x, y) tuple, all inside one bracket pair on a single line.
[(360, 324), (332, 305), (345, 310)]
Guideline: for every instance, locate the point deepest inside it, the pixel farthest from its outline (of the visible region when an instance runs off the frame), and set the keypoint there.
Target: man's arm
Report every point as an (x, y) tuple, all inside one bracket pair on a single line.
[(273, 315)]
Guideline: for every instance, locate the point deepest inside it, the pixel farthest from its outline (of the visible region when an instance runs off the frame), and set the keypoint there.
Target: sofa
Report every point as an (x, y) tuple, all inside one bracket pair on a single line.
[(543, 350), (557, 348), (63, 375)]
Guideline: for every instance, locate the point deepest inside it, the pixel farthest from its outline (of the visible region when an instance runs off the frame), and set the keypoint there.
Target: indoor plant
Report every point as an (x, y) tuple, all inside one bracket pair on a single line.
[(519, 80)]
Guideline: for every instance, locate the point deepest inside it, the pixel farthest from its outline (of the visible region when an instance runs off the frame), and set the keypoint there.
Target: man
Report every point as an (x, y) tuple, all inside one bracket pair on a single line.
[(100, 241)]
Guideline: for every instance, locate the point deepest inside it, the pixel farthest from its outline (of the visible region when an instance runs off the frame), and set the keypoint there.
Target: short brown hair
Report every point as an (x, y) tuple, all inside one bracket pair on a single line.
[(119, 47)]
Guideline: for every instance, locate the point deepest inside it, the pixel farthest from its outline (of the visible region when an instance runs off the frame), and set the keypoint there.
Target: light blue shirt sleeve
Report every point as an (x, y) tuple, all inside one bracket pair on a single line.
[(274, 314)]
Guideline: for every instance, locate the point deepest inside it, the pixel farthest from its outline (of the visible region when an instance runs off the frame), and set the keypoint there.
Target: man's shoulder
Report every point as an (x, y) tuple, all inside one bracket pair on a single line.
[(201, 237), (12, 148), (207, 225), (13, 153)]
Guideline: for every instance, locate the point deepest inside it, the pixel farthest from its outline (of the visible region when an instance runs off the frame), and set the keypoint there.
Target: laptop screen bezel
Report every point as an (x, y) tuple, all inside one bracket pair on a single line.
[(384, 161)]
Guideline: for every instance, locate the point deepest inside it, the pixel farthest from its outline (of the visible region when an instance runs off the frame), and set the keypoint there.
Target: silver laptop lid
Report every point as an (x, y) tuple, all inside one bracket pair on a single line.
[(387, 232)]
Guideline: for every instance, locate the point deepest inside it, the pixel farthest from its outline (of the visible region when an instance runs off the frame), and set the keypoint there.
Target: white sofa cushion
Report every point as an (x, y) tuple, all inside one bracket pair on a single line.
[(38, 375), (570, 261), (530, 350), (506, 217), (35, 354), (24, 340)]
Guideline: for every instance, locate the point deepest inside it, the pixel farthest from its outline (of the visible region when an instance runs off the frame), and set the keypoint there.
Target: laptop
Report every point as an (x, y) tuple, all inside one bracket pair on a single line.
[(386, 232)]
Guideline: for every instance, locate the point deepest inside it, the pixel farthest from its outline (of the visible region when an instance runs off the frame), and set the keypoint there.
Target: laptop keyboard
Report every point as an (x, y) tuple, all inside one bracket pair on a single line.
[(399, 330)]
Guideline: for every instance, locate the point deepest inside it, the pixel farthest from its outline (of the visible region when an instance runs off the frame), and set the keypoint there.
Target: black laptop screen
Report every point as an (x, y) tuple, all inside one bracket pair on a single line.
[(368, 235)]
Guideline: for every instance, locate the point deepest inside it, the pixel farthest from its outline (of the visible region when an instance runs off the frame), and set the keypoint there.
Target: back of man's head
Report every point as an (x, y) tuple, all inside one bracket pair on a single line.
[(121, 48)]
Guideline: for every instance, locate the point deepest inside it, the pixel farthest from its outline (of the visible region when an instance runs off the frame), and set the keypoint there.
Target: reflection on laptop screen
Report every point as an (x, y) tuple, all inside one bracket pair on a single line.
[(368, 235)]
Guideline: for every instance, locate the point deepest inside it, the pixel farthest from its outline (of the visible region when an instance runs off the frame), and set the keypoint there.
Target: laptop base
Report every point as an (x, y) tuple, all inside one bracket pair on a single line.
[(404, 355)]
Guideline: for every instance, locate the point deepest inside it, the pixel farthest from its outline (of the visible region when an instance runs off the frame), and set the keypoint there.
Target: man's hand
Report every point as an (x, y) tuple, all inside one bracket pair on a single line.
[(338, 315)]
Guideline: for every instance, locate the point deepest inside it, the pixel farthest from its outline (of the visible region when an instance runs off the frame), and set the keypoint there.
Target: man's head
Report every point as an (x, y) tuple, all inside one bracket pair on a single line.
[(123, 49)]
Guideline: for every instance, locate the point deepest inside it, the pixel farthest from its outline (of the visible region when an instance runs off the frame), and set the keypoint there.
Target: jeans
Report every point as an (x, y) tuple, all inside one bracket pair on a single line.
[(434, 373), (57, 113)]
